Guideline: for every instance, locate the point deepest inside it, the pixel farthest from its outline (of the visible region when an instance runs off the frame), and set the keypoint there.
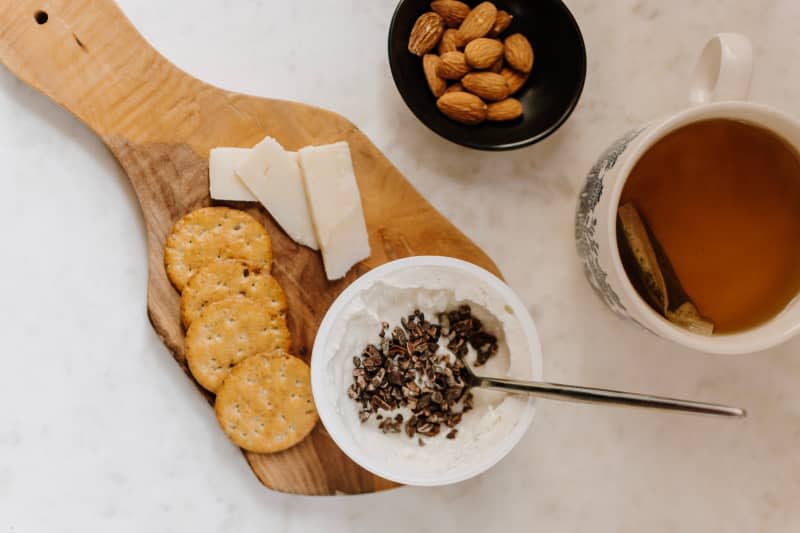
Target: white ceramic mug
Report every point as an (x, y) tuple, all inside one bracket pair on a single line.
[(719, 87)]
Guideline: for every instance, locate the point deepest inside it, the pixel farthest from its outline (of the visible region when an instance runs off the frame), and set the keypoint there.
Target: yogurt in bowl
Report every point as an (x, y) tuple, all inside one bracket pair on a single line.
[(432, 285)]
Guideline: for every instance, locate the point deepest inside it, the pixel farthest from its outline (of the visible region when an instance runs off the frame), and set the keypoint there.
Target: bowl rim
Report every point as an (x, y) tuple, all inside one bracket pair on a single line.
[(503, 146), (328, 412)]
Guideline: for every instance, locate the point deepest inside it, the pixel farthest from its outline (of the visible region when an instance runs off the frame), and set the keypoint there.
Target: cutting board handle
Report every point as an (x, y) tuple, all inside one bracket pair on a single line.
[(88, 57)]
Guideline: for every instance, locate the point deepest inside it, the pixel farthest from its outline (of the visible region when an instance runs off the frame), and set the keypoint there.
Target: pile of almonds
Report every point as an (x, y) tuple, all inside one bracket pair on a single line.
[(481, 67)]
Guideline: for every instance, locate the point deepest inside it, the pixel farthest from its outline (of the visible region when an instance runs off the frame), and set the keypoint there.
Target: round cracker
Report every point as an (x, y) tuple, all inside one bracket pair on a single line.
[(228, 332), (225, 279), (265, 403), (211, 234)]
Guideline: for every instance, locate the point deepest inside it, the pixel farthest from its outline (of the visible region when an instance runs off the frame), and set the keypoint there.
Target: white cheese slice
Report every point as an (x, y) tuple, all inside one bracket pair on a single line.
[(223, 182), (273, 176), (335, 206)]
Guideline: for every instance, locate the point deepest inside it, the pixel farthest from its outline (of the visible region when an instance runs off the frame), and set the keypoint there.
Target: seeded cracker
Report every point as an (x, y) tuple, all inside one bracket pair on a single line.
[(225, 279), (265, 403), (229, 331), (211, 234)]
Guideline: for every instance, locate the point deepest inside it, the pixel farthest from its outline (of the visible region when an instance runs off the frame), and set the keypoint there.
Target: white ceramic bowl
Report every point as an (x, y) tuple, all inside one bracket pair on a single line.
[(371, 458)]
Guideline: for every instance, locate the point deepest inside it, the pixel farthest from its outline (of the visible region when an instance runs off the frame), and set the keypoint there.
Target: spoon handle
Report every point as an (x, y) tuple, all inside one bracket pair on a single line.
[(555, 391)]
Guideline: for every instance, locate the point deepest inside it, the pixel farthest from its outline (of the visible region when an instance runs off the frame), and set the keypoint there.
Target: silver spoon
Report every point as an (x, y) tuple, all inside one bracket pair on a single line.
[(570, 393)]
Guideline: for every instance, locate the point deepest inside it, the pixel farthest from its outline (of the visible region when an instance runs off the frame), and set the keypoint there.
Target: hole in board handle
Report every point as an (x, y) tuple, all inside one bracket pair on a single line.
[(40, 17)]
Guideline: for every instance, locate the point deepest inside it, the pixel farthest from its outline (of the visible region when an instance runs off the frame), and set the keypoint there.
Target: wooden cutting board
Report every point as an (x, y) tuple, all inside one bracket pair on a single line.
[(160, 124)]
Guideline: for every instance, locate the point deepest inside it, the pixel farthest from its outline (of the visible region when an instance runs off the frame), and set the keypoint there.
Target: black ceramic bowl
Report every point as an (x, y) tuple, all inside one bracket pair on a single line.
[(548, 97)]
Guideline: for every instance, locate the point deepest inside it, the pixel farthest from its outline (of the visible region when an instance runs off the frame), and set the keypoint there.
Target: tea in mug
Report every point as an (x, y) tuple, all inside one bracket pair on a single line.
[(721, 200)]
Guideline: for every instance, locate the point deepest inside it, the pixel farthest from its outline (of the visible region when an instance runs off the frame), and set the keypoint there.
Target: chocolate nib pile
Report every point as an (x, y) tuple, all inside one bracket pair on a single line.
[(406, 370)]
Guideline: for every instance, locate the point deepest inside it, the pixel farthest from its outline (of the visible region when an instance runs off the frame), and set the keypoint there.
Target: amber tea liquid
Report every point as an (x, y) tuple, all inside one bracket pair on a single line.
[(723, 199)]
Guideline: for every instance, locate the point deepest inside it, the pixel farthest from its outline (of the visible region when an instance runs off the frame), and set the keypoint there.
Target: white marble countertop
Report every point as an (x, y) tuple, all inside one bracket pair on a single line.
[(101, 431)]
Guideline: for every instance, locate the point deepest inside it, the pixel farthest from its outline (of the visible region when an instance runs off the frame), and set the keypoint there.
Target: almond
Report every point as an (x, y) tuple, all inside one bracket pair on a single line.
[(518, 52), (487, 85), (430, 62), (452, 12), (497, 66), (483, 52), (515, 79), (507, 109), (425, 34), (462, 107), (453, 66), (456, 87), (501, 23), (449, 42), (478, 23)]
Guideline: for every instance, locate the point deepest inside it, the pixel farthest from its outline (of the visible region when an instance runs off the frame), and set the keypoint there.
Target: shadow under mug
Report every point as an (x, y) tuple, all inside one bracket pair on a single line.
[(719, 88)]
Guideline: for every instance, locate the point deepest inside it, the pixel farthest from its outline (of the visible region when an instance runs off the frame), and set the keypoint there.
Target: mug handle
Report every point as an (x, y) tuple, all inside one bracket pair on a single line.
[(723, 71)]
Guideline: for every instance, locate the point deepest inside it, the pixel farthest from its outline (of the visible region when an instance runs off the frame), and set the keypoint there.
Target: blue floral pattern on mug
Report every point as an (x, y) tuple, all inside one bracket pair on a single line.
[(586, 223)]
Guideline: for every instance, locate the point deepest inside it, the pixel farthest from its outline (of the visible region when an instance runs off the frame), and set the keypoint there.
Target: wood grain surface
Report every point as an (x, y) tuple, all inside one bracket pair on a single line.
[(160, 124)]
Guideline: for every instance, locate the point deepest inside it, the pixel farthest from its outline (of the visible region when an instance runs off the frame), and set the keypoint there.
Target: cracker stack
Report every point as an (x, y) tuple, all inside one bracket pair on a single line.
[(237, 340)]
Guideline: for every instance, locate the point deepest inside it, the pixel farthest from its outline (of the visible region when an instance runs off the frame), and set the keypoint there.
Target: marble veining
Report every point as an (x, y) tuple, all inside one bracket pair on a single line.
[(101, 431)]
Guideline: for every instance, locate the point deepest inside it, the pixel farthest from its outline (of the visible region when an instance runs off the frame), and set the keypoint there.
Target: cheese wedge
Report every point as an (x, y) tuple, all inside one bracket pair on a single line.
[(273, 176), (335, 204), (223, 182)]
